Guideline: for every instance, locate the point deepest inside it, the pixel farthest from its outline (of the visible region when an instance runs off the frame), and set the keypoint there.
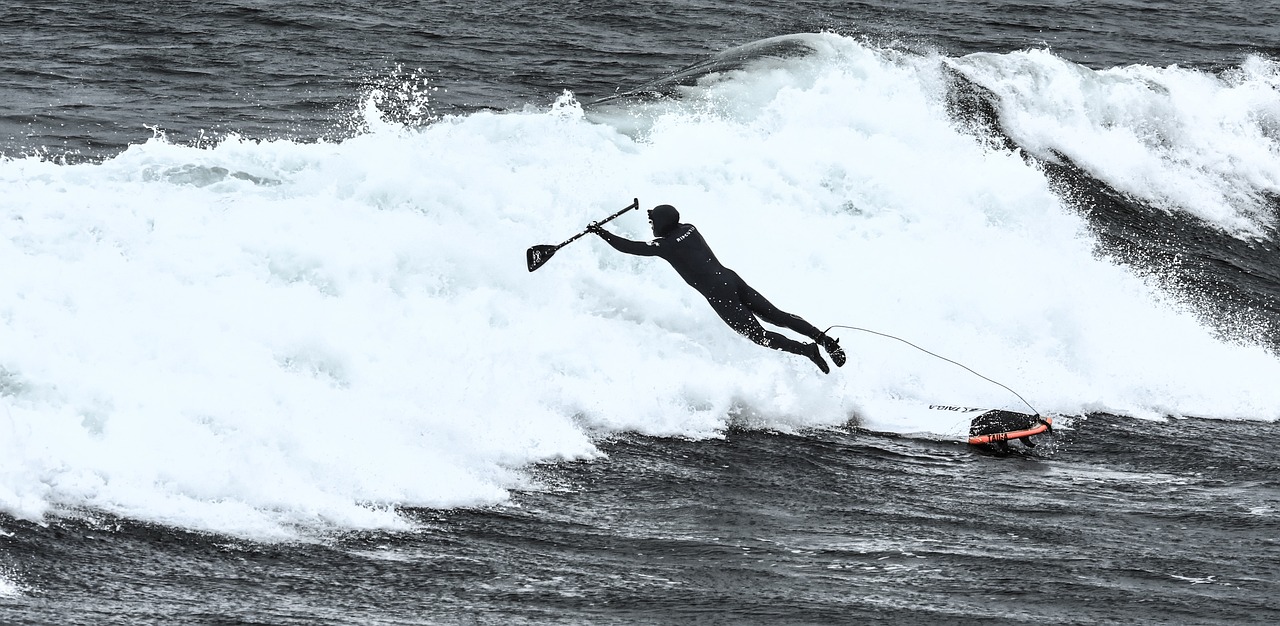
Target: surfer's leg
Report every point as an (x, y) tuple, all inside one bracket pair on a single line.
[(740, 318), (777, 317), (766, 311)]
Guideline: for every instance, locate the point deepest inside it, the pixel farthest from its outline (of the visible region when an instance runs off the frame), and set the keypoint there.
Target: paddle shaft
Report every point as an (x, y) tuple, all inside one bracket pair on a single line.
[(635, 204), (537, 256)]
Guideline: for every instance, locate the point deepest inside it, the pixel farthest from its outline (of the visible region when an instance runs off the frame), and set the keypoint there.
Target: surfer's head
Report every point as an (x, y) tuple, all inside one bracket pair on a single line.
[(663, 218)]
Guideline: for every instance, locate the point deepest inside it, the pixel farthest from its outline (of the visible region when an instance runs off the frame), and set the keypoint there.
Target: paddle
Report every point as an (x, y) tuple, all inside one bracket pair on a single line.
[(538, 255)]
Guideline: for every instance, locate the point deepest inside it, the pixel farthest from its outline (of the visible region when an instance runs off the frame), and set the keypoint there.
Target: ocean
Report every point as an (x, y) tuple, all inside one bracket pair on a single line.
[(270, 352)]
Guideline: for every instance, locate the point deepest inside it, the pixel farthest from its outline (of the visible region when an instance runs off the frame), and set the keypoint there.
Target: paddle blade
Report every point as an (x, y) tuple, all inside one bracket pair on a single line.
[(538, 255)]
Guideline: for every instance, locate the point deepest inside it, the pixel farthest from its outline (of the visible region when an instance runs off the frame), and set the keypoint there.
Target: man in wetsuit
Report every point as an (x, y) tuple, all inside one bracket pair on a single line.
[(732, 299)]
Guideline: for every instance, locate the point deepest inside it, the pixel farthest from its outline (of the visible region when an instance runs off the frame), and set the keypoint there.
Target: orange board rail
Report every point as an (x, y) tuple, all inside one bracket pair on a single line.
[(1043, 425)]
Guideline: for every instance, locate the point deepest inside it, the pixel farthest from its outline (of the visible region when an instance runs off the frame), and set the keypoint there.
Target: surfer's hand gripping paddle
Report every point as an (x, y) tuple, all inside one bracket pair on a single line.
[(539, 255)]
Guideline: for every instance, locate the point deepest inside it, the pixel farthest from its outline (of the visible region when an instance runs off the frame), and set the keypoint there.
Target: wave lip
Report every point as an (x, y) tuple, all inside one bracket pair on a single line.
[(1178, 139)]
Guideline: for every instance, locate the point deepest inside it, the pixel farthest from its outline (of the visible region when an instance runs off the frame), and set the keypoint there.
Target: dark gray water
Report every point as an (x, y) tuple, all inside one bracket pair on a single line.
[(90, 78), (1113, 520), (1120, 522)]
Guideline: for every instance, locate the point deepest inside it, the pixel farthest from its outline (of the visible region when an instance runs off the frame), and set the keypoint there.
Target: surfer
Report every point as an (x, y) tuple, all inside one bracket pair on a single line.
[(732, 299)]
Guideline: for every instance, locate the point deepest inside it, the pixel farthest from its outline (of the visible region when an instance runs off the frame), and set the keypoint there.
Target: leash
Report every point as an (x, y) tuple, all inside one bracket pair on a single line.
[(935, 355)]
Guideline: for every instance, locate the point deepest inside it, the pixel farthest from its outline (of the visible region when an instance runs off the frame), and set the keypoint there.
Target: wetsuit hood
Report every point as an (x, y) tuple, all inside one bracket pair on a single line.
[(664, 219)]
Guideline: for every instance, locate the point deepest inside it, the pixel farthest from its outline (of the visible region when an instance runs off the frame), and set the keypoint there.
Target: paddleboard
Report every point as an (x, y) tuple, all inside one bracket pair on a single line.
[(974, 425), (998, 426)]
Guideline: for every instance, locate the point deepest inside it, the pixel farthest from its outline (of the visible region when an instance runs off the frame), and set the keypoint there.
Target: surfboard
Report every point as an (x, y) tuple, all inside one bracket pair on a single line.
[(997, 426), (976, 426)]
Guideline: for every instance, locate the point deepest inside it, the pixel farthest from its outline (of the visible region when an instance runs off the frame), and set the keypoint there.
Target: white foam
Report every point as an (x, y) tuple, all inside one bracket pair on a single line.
[(8, 587), (262, 337), (1177, 138)]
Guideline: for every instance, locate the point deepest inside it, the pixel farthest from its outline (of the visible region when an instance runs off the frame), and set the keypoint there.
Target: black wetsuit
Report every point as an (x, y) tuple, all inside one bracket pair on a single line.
[(733, 299)]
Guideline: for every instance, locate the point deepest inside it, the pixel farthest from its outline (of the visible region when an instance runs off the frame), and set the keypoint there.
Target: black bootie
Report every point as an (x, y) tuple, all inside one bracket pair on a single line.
[(815, 355), (832, 346)]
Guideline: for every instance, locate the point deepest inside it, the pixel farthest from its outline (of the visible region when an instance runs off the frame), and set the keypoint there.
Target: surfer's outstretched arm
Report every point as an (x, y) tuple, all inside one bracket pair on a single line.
[(622, 244)]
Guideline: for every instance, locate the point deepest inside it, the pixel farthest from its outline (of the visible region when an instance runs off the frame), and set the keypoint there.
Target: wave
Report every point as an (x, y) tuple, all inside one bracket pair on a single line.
[(269, 338), (1177, 139)]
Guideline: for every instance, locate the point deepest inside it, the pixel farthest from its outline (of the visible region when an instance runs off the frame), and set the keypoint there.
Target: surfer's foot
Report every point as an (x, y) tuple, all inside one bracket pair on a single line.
[(832, 346), (815, 355)]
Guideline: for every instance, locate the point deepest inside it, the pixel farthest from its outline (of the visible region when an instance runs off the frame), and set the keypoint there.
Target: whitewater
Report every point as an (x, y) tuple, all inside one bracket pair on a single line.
[(276, 338)]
